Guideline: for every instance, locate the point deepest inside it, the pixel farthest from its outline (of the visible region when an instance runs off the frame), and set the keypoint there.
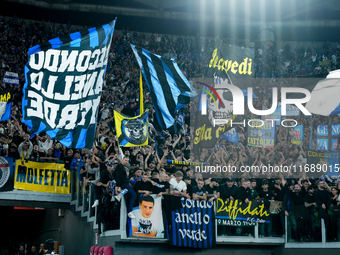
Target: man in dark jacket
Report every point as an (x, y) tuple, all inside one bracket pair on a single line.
[(122, 181), (293, 206), (105, 177), (228, 190), (243, 193), (227, 193), (321, 196)]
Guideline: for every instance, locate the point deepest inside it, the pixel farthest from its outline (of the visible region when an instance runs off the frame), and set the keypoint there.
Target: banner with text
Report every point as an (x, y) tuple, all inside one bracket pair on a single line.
[(323, 163), (42, 177), (11, 78), (261, 134), (234, 210), (64, 79), (327, 137), (193, 224)]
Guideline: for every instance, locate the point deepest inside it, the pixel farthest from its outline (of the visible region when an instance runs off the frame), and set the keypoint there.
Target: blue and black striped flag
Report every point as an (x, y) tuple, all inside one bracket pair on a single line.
[(64, 78), (6, 101), (170, 90)]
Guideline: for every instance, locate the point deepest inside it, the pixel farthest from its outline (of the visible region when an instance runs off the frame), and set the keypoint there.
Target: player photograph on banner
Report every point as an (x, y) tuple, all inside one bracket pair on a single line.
[(149, 219), (132, 131)]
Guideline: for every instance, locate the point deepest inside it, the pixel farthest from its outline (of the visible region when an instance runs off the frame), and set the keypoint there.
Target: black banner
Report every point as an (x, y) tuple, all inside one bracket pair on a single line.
[(230, 72), (234, 210)]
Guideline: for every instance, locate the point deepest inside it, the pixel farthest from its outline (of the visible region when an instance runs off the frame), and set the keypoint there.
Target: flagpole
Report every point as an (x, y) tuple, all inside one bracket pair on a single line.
[(141, 107)]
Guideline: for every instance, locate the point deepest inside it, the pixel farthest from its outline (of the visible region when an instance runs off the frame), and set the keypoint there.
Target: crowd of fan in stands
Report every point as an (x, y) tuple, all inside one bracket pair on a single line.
[(97, 166)]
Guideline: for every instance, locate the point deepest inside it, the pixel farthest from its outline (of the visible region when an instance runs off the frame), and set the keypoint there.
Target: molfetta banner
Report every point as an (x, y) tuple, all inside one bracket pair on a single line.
[(149, 219), (132, 131), (42, 177), (261, 134), (193, 224), (64, 78), (327, 137)]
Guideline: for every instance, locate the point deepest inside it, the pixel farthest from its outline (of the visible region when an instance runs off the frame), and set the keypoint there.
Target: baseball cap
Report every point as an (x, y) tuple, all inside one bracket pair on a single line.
[(214, 180), (229, 180), (110, 163)]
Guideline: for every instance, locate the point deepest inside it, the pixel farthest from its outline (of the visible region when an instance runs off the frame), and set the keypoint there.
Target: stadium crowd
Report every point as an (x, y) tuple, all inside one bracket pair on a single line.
[(139, 170)]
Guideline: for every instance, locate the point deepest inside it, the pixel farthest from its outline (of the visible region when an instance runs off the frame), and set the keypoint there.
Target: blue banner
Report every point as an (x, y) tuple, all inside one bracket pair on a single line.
[(324, 163), (193, 224), (6, 99), (231, 136), (261, 134), (275, 116), (6, 174), (327, 136), (292, 110), (296, 134), (11, 78), (180, 119)]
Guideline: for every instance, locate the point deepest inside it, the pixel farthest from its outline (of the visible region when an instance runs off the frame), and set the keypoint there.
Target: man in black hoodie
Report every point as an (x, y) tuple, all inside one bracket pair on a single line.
[(293, 206), (227, 193), (122, 181), (321, 196)]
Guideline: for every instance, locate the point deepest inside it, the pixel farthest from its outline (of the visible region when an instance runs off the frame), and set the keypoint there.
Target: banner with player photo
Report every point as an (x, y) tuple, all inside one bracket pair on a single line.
[(149, 218), (132, 131), (193, 225)]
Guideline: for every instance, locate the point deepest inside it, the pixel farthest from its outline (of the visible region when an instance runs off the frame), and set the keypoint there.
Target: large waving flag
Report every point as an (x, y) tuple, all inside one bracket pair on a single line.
[(64, 78), (325, 98), (169, 88), (6, 100)]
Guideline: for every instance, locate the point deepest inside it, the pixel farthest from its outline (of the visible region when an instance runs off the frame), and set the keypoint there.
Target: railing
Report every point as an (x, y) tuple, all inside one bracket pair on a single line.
[(261, 233)]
